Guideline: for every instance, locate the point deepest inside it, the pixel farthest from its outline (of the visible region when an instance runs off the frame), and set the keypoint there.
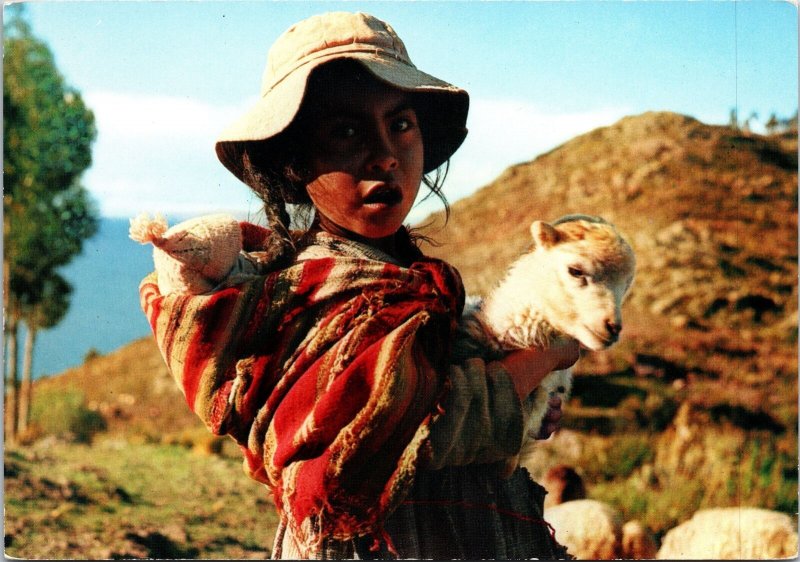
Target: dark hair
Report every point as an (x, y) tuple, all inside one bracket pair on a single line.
[(272, 193), (275, 171)]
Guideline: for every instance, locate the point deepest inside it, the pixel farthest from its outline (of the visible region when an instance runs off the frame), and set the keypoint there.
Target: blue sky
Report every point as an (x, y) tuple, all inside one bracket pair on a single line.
[(164, 78)]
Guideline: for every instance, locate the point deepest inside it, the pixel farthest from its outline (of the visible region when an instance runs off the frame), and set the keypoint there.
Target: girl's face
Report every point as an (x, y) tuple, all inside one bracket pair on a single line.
[(365, 155)]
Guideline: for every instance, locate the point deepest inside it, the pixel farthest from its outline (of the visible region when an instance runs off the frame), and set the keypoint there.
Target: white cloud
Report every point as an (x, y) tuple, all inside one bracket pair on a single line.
[(155, 153), (135, 116)]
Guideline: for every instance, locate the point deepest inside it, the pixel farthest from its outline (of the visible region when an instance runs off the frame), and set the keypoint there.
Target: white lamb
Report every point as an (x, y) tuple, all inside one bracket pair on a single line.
[(570, 284), (590, 529)]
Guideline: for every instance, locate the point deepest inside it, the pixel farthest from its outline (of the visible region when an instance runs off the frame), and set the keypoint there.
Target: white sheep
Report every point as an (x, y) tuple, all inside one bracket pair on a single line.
[(570, 284), (563, 484), (591, 530), (732, 533)]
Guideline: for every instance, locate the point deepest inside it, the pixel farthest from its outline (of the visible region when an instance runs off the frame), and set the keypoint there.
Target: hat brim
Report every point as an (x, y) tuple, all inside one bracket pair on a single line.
[(443, 121)]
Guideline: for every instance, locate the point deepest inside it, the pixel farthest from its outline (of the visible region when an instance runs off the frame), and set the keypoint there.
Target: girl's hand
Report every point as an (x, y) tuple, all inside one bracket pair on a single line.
[(552, 418), (527, 367)]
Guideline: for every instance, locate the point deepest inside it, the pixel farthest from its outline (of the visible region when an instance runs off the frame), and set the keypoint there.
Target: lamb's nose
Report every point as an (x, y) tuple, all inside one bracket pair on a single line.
[(613, 328)]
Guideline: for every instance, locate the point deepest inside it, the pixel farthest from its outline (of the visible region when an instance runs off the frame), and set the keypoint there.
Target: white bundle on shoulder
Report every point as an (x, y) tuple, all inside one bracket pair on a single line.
[(194, 256)]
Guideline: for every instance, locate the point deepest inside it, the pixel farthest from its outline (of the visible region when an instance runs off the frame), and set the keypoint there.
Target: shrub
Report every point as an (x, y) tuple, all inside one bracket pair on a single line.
[(64, 413), (653, 413), (92, 354), (617, 458)]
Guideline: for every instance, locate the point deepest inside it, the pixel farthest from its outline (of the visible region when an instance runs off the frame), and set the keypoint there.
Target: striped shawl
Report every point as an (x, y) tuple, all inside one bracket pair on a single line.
[(327, 372)]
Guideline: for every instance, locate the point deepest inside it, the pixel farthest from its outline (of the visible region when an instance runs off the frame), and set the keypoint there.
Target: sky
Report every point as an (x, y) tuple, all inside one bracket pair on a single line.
[(165, 78)]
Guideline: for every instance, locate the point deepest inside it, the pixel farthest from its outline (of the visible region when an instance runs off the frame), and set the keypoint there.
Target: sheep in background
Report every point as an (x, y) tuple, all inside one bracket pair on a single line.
[(638, 542), (732, 533), (593, 530)]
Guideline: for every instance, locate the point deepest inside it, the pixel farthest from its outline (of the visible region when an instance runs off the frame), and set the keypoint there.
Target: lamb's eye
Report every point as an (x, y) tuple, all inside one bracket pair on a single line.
[(576, 271)]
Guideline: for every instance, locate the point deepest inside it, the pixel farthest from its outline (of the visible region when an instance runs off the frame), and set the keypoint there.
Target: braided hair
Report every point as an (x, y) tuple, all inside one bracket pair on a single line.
[(272, 189)]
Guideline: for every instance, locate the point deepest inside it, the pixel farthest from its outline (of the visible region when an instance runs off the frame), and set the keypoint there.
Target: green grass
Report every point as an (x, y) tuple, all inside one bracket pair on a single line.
[(64, 413), (121, 500)]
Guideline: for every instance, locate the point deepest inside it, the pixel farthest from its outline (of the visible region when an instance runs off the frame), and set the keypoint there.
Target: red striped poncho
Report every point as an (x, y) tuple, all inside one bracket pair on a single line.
[(326, 372)]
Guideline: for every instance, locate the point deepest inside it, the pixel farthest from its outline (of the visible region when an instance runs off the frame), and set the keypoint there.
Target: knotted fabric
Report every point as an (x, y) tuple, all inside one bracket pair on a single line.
[(327, 372)]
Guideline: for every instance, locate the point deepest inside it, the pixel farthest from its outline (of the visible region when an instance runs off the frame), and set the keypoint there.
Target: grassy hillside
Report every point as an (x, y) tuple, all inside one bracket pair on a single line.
[(116, 466), (695, 407), (711, 213), (132, 390)]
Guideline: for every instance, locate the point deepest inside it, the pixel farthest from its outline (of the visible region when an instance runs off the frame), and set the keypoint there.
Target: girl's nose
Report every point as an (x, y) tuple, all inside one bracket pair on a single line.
[(382, 157), (383, 163)]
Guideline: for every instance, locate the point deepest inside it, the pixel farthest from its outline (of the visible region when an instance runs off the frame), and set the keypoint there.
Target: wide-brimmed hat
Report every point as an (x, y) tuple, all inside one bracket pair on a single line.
[(343, 35)]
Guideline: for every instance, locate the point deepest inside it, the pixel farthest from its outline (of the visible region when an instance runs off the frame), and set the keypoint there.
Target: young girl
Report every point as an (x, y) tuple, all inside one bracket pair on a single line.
[(331, 367)]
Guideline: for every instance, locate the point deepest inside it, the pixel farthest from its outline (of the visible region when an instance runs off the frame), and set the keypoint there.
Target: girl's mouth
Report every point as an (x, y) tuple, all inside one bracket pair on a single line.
[(383, 194)]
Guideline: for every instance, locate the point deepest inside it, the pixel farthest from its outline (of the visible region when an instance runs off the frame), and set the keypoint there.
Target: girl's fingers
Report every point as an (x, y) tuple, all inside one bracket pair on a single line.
[(553, 416), (550, 423), (547, 430)]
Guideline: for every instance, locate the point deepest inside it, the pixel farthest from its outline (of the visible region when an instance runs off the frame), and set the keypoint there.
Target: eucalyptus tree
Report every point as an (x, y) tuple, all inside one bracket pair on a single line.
[(47, 136)]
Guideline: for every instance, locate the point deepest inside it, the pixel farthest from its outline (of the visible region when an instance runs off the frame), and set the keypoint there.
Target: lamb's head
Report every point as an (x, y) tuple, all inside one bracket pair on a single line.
[(587, 269)]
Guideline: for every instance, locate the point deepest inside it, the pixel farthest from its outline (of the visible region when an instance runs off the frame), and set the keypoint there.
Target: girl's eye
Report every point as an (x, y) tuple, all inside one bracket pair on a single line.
[(343, 131), (403, 124)]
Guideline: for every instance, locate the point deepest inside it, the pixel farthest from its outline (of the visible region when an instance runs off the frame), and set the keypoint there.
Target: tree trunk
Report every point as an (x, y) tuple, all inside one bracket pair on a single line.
[(26, 396), (12, 384), (6, 268)]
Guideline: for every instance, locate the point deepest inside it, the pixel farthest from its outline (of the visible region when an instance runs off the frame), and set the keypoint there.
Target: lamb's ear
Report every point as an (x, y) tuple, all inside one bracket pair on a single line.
[(544, 234)]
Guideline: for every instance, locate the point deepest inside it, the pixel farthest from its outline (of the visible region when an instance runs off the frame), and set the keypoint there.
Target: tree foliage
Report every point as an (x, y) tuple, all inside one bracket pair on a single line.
[(48, 130), (47, 136)]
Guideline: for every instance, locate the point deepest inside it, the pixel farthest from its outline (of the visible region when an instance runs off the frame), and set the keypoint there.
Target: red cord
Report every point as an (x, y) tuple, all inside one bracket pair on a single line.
[(384, 536)]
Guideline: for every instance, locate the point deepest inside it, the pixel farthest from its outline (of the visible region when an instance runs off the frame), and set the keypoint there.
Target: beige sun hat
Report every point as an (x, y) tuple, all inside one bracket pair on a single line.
[(337, 35)]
